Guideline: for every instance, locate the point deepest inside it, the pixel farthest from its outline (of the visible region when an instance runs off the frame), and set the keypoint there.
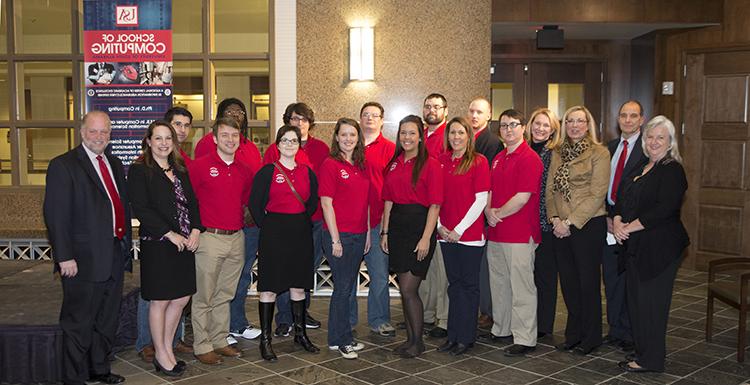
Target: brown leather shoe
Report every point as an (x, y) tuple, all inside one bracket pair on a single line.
[(485, 321), (182, 347), (229, 351), (147, 354), (209, 358)]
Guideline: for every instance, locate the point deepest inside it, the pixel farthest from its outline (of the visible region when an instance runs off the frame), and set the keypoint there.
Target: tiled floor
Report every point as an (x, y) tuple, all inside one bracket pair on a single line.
[(690, 359)]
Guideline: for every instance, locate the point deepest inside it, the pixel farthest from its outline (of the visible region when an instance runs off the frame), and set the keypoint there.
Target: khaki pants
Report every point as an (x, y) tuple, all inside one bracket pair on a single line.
[(511, 268), (434, 292), (218, 264)]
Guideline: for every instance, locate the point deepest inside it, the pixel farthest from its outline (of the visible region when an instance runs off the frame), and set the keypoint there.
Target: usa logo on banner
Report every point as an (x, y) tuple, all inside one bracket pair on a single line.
[(128, 66)]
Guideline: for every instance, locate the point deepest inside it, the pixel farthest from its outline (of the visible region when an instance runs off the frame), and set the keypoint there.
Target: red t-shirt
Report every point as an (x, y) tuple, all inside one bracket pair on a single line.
[(378, 154), (397, 187), (247, 153), (460, 192), (519, 171), (186, 158), (435, 142), (222, 190), (281, 199), (348, 186), (313, 153)]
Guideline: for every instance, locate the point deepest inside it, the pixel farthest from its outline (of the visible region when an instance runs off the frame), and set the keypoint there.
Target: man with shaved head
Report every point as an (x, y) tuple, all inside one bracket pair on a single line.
[(488, 144)]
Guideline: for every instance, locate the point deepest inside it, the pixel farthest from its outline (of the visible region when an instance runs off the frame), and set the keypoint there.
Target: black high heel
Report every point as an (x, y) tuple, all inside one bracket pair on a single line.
[(176, 371)]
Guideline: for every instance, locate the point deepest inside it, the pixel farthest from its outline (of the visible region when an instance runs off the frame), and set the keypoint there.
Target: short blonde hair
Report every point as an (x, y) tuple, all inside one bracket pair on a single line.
[(554, 123), (591, 123), (663, 121)]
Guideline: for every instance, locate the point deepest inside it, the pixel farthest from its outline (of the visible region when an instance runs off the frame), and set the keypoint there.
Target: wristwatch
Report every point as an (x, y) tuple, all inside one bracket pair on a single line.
[(567, 222)]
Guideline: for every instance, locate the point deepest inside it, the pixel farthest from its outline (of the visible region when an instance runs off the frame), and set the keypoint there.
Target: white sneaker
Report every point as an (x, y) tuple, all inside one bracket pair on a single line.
[(249, 333), (348, 352), (356, 346), (231, 340)]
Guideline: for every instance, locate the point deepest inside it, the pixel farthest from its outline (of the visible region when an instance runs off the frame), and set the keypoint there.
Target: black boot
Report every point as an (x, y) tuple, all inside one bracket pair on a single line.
[(300, 330), (265, 310)]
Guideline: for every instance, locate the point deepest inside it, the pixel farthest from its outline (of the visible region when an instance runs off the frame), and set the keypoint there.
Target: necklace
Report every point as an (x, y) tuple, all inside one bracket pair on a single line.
[(168, 169)]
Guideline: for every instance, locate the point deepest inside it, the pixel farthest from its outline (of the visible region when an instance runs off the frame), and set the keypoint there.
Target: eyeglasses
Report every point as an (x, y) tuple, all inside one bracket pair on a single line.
[(576, 122), (511, 125), (299, 119), (234, 113), (368, 115), (430, 108), (289, 142)]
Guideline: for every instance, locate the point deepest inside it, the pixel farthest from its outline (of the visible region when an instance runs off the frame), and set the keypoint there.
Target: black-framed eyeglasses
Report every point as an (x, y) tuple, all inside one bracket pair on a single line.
[(431, 108), (511, 125)]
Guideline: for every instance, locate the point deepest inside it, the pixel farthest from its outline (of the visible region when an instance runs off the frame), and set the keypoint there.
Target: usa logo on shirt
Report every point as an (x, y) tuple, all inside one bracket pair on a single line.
[(344, 174), (213, 171), (393, 166), (280, 178)]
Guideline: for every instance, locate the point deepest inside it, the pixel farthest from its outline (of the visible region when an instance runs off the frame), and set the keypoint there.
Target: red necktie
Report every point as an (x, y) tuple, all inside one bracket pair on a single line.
[(618, 170), (119, 210)]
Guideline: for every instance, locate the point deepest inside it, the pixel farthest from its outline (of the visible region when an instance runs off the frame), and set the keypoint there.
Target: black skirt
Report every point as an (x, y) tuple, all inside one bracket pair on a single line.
[(165, 272), (285, 253), (404, 232)]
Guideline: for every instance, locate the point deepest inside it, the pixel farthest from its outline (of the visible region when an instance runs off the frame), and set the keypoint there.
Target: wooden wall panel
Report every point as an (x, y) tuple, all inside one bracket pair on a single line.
[(726, 63), (726, 99), (722, 164), (720, 229)]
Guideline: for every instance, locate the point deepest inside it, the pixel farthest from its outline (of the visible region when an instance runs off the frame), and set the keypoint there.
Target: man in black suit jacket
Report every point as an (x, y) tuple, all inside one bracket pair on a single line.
[(487, 142), (630, 119), (88, 222)]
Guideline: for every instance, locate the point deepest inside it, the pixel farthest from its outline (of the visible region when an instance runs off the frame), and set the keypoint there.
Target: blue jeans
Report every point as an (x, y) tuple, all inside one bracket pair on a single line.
[(237, 319), (144, 333), (378, 296), (283, 307), (345, 270)]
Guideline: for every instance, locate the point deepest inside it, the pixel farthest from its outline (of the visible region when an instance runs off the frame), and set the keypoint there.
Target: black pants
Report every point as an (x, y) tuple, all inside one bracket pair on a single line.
[(88, 318), (614, 288), (649, 303), (462, 268), (579, 260), (545, 279)]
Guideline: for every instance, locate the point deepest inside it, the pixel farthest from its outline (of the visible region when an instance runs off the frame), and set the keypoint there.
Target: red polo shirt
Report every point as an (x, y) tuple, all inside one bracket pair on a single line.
[(459, 193), (378, 154), (281, 199), (519, 171), (222, 190), (185, 157), (435, 141), (348, 186), (397, 186), (313, 153), (247, 153)]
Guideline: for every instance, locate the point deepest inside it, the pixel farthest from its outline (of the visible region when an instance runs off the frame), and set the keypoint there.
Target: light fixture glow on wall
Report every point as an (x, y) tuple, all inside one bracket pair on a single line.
[(361, 53)]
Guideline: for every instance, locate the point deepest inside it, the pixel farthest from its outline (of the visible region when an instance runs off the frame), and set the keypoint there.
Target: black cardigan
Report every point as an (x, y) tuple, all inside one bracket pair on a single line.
[(153, 201), (262, 186), (663, 238)]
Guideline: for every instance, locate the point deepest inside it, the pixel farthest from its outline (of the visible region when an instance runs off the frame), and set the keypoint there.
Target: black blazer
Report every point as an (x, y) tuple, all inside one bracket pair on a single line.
[(262, 186), (153, 200), (663, 238), (78, 214), (489, 144), (633, 166)]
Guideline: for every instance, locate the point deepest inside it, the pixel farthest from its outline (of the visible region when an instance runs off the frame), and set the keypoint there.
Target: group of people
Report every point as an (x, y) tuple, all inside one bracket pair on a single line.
[(468, 220)]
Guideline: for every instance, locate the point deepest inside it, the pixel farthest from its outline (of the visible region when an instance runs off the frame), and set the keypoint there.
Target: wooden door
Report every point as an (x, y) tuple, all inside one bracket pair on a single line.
[(714, 148)]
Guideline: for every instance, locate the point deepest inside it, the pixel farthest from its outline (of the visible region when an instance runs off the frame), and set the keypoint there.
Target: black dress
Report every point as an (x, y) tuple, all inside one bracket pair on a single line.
[(166, 273)]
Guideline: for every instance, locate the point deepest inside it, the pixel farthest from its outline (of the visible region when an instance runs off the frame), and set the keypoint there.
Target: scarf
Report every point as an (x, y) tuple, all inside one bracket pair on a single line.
[(568, 153)]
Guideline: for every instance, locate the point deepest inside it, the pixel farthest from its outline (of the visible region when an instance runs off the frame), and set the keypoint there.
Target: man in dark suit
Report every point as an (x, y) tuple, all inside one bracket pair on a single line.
[(88, 222), (627, 159)]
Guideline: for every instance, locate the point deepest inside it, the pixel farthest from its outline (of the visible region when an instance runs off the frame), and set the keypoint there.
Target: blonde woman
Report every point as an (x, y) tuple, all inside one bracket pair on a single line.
[(576, 186)]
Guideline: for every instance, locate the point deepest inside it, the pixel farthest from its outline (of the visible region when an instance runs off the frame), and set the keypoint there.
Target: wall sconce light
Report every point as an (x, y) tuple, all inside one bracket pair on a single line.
[(361, 53)]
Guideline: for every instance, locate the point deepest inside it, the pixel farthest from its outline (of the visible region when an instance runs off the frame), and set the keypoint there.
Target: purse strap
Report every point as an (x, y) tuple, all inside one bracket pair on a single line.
[(288, 182)]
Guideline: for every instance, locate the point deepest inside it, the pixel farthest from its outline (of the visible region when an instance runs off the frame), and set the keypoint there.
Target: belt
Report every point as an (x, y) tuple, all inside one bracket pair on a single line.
[(220, 231)]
